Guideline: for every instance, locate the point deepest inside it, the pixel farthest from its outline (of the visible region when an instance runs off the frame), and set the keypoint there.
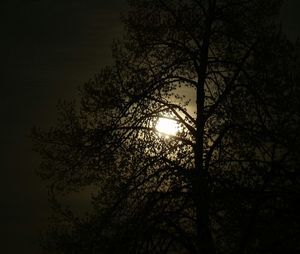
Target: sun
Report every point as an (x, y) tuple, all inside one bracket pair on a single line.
[(167, 126)]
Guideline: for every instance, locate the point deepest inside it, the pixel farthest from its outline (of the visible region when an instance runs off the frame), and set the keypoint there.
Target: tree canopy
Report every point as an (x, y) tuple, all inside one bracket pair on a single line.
[(227, 181)]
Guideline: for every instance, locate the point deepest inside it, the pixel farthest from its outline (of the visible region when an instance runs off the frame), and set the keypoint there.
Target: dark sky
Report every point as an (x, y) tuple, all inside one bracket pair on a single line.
[(48, 49)]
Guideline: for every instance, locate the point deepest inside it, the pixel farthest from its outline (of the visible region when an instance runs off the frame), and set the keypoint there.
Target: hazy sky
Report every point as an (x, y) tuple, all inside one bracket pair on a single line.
[(48, 49)]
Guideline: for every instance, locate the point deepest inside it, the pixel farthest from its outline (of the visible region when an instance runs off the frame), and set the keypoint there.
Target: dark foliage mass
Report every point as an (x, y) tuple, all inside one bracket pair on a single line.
[(228, 181)]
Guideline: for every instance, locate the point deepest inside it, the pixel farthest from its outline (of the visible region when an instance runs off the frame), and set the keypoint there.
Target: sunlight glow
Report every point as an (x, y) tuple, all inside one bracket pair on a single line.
[(167, 126)]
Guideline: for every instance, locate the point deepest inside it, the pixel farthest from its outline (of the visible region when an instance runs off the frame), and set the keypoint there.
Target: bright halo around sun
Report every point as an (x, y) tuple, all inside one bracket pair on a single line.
[(167, 126)]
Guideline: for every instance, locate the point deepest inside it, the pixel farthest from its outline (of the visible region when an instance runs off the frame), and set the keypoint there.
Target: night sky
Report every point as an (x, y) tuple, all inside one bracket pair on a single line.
[(48, 49)]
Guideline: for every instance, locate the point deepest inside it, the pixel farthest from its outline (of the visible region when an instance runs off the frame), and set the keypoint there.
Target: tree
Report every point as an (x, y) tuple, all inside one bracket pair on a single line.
[(225, 73)]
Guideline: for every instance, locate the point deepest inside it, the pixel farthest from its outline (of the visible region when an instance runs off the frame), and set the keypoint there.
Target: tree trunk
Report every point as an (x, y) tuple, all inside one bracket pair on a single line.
[(200, 184)]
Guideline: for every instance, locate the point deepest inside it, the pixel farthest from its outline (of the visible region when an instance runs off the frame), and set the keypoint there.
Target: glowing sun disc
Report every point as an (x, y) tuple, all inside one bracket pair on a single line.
[(167, 126)]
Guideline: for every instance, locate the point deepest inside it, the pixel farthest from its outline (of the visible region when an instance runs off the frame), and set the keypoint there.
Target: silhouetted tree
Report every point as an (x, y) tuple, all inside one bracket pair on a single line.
[(228, 181)]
